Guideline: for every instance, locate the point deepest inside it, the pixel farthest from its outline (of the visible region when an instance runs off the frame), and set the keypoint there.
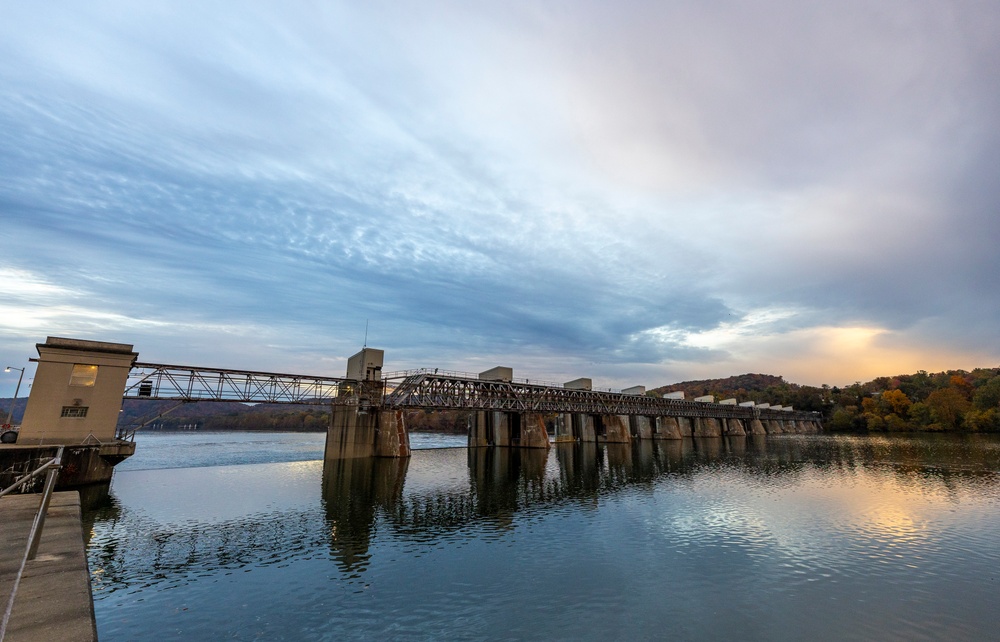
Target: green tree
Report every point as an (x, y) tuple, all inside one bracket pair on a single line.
[(988, 395), (920, 414), (983, 420)]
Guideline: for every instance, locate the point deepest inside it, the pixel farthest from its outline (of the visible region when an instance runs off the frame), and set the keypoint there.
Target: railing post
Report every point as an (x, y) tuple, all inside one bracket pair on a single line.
[(50, 483)]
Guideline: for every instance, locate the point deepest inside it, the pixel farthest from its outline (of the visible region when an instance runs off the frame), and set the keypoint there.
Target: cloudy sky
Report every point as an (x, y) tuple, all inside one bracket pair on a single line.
[(639, 192)]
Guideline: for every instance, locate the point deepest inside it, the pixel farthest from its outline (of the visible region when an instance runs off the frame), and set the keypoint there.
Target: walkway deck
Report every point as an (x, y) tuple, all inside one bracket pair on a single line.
[(54, 600)]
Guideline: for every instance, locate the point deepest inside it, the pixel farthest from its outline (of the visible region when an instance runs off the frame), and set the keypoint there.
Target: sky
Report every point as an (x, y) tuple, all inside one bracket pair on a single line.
[(637, 192)]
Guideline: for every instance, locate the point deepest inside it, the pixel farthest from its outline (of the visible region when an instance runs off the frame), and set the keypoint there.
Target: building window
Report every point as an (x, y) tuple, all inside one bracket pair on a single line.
[(83, 375), (74, 411)]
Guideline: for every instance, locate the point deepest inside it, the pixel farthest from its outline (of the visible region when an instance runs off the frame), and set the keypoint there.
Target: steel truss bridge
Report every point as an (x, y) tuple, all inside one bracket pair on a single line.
[(187, 383), (417, 390), (438, 392)]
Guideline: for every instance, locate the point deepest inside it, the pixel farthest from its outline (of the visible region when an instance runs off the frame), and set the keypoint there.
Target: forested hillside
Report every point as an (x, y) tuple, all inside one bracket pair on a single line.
[(953, 400)]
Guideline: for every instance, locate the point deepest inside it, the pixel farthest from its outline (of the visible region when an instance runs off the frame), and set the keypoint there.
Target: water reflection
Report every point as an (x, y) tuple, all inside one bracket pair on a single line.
[(355, 491), (679, 521), (358, 495)]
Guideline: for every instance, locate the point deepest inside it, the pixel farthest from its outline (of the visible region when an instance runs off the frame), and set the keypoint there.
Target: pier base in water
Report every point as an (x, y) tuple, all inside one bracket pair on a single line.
[(356, 432), (508, 429)]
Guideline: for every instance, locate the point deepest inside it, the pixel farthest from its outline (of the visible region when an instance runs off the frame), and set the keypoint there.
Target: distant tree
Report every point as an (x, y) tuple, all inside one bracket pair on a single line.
[(920, 414), (983, 420), (962, 385), (896, 402), (841, 421), (988, 395), (948, 406)]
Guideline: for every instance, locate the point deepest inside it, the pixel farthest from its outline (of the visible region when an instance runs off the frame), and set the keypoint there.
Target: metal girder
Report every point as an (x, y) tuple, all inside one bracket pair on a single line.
[(421, 390), (187, 383), (437, 392)]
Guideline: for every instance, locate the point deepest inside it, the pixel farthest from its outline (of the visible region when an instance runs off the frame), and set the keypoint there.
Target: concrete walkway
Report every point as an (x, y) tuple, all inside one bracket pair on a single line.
[(54, 600)]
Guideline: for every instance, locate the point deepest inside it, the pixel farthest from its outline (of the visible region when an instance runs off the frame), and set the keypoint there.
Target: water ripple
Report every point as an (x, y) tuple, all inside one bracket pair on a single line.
[(818, 537)]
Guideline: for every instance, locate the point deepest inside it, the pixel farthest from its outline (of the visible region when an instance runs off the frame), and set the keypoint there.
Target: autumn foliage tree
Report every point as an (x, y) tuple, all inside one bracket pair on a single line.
[(887, 411), (944, 401), (948, 406)]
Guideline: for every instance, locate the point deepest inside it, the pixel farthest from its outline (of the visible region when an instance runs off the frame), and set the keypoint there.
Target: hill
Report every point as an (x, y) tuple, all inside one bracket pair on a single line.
[(759, 388)]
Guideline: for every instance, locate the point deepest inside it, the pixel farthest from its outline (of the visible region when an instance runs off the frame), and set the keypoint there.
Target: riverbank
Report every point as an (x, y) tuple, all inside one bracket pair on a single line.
[(53, 600)]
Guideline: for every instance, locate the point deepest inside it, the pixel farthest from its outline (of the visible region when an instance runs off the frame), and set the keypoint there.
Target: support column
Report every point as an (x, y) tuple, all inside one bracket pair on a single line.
[(351, 434), (641, 427), (583, 426), (533, 433), (756, 427), (734, 427), (500, 424), (667, 428), (479, 435), (391, 436), (564, 428), (356, 433), (707, 427), (686, 426), (615, 429)]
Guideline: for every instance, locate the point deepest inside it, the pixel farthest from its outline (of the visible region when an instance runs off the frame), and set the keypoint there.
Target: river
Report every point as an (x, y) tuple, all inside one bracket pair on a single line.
[(247, 536)]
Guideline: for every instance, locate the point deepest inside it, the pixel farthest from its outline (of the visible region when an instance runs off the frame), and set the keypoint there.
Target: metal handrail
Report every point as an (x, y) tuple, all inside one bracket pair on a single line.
[(33, 473), (34, 537)]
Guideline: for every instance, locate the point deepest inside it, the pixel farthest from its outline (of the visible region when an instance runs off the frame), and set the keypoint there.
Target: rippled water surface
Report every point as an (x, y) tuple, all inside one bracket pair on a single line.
[(777, 538)]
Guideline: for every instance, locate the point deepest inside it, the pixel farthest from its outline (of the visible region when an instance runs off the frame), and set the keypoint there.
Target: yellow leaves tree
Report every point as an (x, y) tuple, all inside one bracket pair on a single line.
[(887, 411), (948, 406)]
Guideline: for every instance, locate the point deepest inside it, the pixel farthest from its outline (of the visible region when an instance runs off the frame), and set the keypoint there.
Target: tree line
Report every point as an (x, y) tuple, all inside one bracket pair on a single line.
[(949, 401)]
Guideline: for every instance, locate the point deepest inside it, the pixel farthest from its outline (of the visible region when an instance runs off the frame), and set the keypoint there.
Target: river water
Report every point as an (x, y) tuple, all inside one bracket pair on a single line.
[(247, 536)]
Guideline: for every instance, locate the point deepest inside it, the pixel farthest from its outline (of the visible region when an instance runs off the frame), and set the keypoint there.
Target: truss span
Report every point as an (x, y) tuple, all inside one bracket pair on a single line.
[(188, 383), (419, 390), (423, 390)]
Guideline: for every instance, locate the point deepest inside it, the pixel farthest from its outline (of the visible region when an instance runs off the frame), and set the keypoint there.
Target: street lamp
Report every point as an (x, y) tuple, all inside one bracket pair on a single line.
[(16, 390)]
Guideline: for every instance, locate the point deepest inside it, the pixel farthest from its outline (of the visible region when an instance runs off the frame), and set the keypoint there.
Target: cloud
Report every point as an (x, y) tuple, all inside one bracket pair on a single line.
[(650, 188)]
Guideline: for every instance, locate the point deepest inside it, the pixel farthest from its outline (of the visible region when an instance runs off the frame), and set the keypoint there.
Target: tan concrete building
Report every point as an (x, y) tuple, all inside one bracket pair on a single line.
[(77, 392), (366, 365)]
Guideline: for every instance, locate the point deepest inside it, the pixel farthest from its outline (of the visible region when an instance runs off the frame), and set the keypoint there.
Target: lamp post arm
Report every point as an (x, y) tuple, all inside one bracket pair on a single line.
[(13, 401)]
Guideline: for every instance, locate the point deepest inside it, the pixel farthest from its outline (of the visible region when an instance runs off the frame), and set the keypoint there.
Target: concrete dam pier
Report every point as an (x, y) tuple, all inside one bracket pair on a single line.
[(510, 414)]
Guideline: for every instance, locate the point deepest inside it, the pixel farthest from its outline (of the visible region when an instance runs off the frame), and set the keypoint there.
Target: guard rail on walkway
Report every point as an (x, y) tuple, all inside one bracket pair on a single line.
[(52, 466)]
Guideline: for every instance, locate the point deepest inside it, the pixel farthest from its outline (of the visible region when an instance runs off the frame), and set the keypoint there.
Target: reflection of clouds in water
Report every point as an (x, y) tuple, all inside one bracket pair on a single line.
[(582, 537), (818, 526), (891, 525), (215, 494)]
